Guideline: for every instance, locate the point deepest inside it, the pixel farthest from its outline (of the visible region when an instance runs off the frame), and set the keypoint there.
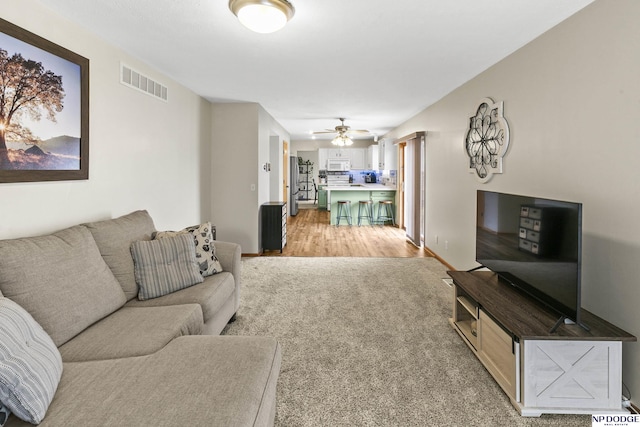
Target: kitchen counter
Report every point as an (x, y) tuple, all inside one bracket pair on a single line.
[(360, 187), (355, 193)]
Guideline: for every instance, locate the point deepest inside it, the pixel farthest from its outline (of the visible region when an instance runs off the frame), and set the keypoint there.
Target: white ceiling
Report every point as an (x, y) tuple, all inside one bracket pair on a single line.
[(375, 62)]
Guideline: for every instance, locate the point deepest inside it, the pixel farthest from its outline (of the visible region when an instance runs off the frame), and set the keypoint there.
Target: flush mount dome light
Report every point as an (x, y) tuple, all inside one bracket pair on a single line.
[(262, 16)]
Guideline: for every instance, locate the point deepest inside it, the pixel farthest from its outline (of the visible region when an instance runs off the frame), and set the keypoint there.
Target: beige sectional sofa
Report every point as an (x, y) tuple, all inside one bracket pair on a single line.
[(134, 362)]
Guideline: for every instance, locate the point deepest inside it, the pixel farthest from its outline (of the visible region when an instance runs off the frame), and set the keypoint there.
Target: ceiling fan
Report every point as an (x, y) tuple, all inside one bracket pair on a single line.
[(342, 130)]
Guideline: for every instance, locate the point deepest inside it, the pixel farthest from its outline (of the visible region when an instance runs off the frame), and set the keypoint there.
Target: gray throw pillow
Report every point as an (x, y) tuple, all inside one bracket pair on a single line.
[(205, 247), (164, 266), (30, 364)]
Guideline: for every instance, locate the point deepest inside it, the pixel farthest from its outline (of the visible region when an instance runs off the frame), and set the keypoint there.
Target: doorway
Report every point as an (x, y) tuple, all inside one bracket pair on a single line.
[(412, 186)]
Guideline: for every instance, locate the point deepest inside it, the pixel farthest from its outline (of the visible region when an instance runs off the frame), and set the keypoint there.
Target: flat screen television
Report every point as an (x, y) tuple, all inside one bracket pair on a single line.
[(535, 244)]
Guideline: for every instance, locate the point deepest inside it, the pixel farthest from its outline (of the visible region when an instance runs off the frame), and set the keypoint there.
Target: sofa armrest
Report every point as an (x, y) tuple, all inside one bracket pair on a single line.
[(229, 254)]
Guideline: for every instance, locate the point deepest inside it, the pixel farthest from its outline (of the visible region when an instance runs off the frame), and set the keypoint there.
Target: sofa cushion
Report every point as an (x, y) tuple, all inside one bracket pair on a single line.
[(205, 246), (114, 238), (133, 331), (210, 295), (195, 380), (61, 280), (165, 266), (30, 364)]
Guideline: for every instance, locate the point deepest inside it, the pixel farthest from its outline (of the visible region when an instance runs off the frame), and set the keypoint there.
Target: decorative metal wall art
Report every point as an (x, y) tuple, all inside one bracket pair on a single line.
[(487, 140)]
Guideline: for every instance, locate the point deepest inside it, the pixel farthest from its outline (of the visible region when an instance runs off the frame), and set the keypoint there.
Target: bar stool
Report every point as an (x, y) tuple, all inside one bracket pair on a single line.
[(344, 211), (385, 212), (365, 210)]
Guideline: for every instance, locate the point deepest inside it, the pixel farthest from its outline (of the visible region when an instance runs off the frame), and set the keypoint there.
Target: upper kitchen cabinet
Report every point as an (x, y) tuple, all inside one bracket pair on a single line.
[(387, 155), (372, 157), (337, 153), (356, 156), (323, 155)]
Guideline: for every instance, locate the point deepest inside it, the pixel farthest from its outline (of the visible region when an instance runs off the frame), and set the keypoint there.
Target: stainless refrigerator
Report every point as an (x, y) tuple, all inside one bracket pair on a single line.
[(293, 185)]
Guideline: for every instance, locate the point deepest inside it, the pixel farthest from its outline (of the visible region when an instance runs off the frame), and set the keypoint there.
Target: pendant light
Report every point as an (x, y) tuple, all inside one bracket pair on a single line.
[(262, 16)]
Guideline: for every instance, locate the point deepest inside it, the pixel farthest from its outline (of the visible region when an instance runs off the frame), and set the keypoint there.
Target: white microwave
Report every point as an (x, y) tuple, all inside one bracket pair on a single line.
[(338, 165)]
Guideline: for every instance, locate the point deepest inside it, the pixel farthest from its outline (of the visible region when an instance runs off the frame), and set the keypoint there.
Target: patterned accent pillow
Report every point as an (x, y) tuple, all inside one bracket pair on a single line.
[(165, 266), (205, 247), (30, 364)]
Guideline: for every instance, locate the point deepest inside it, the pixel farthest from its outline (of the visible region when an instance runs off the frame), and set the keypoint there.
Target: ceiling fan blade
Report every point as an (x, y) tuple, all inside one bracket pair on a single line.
[(342, 130)]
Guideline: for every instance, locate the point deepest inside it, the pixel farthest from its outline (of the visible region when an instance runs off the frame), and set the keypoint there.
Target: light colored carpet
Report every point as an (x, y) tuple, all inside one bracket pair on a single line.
[(366, 342)]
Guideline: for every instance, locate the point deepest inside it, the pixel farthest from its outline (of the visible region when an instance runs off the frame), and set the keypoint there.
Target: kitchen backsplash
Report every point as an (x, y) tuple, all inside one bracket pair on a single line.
[(387, 177)]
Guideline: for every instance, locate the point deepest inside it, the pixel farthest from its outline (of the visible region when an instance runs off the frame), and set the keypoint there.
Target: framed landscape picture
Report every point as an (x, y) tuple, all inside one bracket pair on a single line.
[(44, 109)]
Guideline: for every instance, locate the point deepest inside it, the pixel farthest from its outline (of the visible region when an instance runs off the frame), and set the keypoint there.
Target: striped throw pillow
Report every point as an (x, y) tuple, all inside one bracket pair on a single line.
[(30, 364), (205, 246), (165, 266)]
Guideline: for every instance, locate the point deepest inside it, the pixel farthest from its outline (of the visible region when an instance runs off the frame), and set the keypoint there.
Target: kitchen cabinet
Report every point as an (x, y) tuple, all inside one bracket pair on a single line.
[(323, 156), (387, 155), (354, 195), (357, 157), (337, 153), (372, 157), (322, 197)]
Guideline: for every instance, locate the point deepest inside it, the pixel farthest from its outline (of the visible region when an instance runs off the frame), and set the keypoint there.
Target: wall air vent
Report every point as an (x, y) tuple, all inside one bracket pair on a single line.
[(132, 78)]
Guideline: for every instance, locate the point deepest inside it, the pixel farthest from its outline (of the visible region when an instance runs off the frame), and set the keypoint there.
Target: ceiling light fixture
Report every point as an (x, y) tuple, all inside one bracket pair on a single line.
[(262, 16), (342, 140)]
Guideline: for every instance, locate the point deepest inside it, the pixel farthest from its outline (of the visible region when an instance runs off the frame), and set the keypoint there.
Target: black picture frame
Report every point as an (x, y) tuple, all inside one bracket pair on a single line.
[(10, 171)]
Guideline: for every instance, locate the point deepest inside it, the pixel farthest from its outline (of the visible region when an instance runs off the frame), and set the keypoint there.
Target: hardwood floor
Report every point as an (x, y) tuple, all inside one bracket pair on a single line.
[(309, 233)]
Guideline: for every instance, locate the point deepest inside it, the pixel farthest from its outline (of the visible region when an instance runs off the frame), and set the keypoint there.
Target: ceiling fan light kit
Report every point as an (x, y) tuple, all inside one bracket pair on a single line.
[(262, 16), (342, 140)]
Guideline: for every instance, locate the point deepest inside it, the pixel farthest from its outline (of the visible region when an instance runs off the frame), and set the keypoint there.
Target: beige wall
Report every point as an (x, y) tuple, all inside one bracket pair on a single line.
[(572, 100), (243, 135), (144, 153)]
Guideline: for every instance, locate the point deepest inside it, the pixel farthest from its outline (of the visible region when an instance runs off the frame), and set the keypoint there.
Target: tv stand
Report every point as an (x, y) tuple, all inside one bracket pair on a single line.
[(541, 363)]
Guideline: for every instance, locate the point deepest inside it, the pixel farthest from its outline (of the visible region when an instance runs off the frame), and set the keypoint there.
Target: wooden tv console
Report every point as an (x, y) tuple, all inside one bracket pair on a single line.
[(569, 371)]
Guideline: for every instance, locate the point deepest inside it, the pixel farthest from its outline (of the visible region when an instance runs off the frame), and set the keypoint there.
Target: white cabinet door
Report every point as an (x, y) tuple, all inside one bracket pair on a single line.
[(572, 374), (390, 156), (381, 145), (387, 155), (372, 157), (323, 155), (357, 157), (337, 153)]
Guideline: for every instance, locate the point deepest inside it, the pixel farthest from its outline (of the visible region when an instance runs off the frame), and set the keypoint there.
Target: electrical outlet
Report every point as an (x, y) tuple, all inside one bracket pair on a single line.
[(253, 187), (446, 245), (436, 239)]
